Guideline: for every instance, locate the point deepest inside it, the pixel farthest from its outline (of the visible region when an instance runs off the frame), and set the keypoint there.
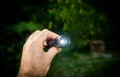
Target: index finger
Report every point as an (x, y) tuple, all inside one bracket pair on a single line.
[(46, 35)]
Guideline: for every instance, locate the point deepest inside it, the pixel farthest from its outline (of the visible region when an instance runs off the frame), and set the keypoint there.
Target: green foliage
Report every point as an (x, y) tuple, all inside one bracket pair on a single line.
[(77, 19), (26, 26), (79, 65)]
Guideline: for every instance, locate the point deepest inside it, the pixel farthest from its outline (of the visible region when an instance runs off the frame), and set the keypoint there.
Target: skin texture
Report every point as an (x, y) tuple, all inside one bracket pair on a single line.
[(35, 62)]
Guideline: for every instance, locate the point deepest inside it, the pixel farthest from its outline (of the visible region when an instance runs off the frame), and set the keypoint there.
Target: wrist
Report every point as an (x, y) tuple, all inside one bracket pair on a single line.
[(29, 73), (29, 70)]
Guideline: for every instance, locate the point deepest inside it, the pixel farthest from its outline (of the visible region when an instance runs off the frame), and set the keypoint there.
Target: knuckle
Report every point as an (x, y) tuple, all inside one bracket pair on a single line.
[(45, 30), (37, 31)]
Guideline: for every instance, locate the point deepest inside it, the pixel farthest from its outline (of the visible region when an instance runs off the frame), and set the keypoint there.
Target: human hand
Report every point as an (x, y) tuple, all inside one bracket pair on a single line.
[(35, 62)]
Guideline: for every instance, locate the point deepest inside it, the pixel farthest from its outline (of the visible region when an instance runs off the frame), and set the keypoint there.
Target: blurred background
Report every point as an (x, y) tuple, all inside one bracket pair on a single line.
[(93, 26)]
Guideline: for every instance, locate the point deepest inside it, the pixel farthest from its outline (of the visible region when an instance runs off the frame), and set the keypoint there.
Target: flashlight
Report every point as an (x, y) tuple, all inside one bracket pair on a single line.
[(61, 41)]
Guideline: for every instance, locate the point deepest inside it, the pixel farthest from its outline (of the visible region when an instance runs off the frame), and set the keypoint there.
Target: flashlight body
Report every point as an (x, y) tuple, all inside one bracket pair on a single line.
[(53, 42), (61, 42)]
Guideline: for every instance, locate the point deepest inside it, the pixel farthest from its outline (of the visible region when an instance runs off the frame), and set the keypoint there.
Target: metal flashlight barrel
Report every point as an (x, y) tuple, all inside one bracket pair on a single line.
[(61, 41)]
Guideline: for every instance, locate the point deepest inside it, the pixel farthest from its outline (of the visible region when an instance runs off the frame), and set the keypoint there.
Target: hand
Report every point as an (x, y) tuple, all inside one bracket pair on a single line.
[(35, 62)]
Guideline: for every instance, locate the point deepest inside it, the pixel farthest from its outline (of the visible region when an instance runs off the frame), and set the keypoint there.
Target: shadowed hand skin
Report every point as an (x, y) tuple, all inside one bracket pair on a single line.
[(35, 62)]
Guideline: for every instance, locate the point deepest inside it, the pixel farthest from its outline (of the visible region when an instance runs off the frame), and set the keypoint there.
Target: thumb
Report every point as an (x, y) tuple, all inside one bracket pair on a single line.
[(52, 52)]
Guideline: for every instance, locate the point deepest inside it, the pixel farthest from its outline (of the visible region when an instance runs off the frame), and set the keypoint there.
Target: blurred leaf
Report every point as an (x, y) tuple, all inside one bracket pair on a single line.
[(26, 26)]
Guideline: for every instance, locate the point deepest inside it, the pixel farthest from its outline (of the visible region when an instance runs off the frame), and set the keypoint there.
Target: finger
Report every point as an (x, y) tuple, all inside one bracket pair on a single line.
[(52, 52), (48, 35), (45, 35), (33, 34)]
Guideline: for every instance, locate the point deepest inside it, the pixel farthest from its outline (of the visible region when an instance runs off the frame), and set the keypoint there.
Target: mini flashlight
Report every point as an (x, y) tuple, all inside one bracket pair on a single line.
[(61, 41)]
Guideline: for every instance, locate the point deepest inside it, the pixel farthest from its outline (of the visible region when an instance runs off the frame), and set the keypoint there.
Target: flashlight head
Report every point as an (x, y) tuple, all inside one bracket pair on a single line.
[(62, 41)]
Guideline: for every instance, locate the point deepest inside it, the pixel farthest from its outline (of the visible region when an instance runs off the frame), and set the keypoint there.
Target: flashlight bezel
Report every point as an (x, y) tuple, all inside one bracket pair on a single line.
[(63, 38)]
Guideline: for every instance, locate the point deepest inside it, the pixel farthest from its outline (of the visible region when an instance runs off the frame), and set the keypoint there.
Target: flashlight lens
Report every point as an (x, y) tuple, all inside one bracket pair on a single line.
[(64, 41)]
